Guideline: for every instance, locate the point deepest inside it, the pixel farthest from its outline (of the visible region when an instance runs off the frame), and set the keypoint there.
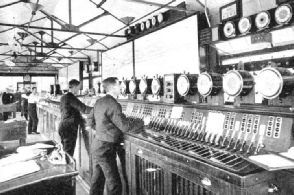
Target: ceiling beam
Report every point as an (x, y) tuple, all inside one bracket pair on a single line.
[(160, 5), (23, 24), (6, 5), (4, 67), (105, 13), (48, 63), (21, 70), (38, 74), (62, 30), (67, 48), (51, 52), (41, 56), (47, 54), (52, 17)]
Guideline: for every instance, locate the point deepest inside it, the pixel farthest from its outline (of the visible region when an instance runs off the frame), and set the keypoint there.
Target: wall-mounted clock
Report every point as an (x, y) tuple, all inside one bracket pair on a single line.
[(27, 78), (231, 11)]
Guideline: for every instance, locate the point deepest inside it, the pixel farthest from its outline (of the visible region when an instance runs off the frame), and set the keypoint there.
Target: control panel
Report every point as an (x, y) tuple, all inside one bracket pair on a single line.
[(237, 132)]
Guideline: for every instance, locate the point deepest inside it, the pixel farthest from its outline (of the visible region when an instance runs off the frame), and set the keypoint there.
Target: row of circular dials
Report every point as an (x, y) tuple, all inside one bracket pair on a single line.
[(145, 25), (143, 86), (273, 82), (283, 14)]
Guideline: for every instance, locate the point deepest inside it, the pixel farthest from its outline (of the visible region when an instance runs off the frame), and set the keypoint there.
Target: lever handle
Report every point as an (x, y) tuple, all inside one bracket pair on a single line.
[(272, 188), (205, 181)]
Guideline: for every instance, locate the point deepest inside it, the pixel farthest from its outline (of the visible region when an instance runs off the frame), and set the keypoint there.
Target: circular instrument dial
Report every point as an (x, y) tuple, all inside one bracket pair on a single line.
[(270, 83), (143, 86), (229, 29), (244, 25), (160, 18), (183, 85), (155, 86), (132, 86), (153, 21), (233, 83), (283, 14), (204, 84), (123, 87), (262, 20), (142, 26)]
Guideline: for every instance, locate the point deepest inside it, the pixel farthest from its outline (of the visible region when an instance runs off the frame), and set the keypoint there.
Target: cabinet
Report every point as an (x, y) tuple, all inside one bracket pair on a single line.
[(153, 169)]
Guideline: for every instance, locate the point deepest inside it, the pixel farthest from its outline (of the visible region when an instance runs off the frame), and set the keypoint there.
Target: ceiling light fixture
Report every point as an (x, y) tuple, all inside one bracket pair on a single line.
[(127, 20), (22, 35), (91, 41), (35, 7)]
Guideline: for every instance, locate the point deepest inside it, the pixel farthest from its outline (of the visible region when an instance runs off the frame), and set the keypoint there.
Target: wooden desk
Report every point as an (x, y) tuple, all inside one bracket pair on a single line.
[(51, 179), (14, 130)]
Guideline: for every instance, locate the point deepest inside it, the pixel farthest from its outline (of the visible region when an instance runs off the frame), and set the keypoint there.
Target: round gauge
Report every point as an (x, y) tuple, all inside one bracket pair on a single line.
[(147, 24), (270, 83), (127, 32), (131, 30), (262, 20), (229, 29), (123, 87), (232, 83), (244, 25), (156, 86), (204, 84), (183, 85), (142, 26), (143, 86), (160, 18), (238, 83), (153, 21), (132, 86), (283, 14)]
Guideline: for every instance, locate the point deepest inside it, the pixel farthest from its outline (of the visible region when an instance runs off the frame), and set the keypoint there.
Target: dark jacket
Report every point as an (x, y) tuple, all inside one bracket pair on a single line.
[(109, 121), (70, 107), (7, 98)]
